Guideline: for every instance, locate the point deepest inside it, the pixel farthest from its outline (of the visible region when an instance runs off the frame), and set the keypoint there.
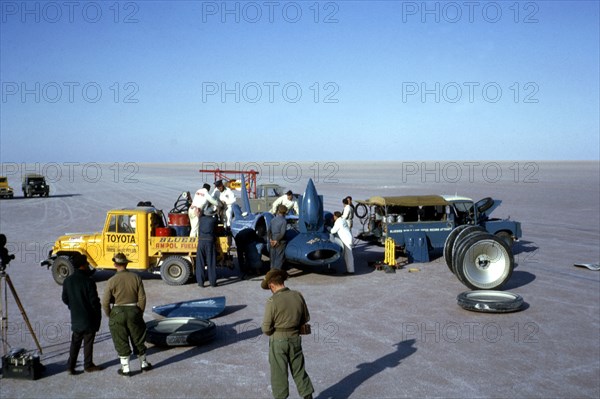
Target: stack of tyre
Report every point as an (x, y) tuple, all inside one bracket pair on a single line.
[(482, 262)]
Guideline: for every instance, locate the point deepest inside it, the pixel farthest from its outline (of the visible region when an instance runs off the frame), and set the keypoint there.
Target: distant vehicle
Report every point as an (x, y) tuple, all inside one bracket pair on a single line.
[(6, 191), (140, 233), (408, 219), (34, 184), (266, 195)]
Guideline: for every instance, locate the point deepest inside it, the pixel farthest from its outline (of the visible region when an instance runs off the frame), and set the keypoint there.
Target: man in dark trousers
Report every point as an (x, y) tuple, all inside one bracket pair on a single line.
[(249, 260), (125, 290), (206, 255), (276, 236), (285, 313), (81, 296)]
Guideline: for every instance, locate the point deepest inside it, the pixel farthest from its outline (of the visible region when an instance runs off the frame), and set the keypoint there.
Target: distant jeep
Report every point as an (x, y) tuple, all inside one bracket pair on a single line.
[(6, 191), (34, 184)]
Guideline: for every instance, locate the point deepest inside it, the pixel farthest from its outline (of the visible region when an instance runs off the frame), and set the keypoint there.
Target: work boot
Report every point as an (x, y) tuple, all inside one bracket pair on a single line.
[(92, 368), (124, 370), (144, 363)]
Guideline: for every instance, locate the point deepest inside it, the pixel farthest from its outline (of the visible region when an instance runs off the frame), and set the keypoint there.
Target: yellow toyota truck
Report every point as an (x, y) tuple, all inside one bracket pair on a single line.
[(6, 191), (142, 234)]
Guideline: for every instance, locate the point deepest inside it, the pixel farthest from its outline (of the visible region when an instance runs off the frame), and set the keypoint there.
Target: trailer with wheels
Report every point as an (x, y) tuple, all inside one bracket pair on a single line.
[(476, 247)]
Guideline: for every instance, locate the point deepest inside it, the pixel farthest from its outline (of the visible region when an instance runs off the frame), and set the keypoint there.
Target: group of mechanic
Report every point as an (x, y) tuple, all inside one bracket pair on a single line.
[(124, 300)]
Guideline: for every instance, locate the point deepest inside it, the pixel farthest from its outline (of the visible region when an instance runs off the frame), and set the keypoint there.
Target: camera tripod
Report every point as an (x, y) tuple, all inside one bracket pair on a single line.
[(5, 281)]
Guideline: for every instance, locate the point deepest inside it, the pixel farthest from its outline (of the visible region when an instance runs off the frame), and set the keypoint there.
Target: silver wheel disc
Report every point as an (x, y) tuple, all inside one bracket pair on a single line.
[(486, 264)]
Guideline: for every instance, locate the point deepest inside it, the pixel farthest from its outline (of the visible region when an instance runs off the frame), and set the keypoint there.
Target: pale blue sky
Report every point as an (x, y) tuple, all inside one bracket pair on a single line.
[(193, 81)]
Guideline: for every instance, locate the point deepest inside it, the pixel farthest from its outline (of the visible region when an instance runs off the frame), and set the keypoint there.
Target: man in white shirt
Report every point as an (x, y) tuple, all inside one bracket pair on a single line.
[(201, 201), (288, 201), (340, 227), (348, 214), (226, 197)]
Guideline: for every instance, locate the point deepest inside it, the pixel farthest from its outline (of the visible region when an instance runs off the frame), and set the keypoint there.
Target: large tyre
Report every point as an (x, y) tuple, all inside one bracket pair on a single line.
[(484, 204), (175, 270), (506, 237), (62, 268), (180, 331), (449, 244), (459, 245), (463, 232), (483, 262), (361, 211), (490, 301)]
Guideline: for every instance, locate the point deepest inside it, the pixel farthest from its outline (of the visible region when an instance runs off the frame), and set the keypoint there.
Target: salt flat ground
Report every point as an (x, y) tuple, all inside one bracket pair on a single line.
[(374, 334)]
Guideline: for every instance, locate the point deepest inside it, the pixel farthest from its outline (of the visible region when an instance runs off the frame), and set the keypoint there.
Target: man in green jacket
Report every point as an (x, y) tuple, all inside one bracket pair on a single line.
[(125, 291), (81, 296), (285, 313)]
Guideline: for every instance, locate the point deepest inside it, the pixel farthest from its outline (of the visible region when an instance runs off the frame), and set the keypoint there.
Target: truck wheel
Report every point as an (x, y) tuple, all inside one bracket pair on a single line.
[(175, 270), (483, 262), (490, 301), (506, 237), (62, 268), (464, 231)]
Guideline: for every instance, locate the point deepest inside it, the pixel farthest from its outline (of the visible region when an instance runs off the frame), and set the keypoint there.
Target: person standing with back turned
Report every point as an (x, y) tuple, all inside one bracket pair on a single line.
[(81, 296), (125, 290), (285, 314)]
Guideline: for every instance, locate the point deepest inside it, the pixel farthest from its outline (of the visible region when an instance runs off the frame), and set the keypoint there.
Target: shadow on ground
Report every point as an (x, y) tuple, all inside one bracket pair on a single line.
[(346, 386)]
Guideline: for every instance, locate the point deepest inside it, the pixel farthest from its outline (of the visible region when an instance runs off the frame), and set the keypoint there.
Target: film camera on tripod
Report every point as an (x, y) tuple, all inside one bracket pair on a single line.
[(18, 363)]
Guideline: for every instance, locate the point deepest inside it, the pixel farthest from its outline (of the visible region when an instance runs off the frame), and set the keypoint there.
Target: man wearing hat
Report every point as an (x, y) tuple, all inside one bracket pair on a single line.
[(125, 290), (81, 296), (285, 313), (288, 200)]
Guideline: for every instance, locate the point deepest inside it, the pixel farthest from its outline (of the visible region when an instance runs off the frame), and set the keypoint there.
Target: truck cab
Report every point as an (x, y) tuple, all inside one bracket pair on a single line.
[(6, 191), (266, 195), (35, 184)]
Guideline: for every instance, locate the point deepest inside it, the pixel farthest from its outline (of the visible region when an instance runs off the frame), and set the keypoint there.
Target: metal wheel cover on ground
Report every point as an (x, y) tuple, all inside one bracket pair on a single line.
[(180, 331), (490, 301)]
